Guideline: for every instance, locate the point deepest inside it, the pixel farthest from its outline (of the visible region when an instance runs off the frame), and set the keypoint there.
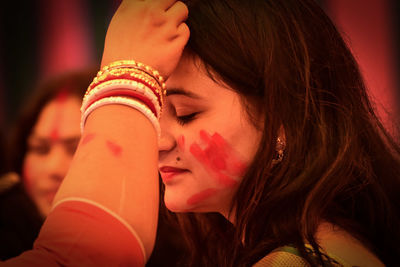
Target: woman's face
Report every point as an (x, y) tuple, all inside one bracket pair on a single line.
[(207, 141), (51, 146)]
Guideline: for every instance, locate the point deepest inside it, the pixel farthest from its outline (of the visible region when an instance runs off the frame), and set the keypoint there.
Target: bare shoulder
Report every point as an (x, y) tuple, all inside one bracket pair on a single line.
[(337, 242)]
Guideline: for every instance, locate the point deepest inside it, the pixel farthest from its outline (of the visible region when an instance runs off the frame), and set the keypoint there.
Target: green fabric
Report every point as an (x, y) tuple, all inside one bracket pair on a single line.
[(290, 256)]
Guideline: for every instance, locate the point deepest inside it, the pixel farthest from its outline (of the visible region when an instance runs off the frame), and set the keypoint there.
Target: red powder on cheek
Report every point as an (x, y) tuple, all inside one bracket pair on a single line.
[(213, 156), (209, 157), (181, 143), (239, 167), (198, 153), (236, 167), (196, 198), (87, 138), (219, 163), (115, 149), (204, 136), (216, 158), (219, 158), (219, 140)]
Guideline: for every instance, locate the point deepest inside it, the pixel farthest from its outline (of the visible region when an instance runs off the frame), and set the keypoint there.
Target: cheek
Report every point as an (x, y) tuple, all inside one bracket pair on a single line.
[(181, 143), (218, 158), (29, 173), (201, 196), (217, 168)]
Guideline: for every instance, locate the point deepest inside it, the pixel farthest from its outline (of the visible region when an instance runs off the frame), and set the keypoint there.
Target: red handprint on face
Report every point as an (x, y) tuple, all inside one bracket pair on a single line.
[(218, 157)]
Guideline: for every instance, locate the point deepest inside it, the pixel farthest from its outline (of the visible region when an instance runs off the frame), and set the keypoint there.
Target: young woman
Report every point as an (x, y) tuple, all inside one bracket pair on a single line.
[(269, 146), (270, 85)]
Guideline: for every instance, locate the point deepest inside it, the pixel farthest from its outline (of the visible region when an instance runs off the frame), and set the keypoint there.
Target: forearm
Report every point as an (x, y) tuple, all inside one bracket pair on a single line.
[(115, 165)]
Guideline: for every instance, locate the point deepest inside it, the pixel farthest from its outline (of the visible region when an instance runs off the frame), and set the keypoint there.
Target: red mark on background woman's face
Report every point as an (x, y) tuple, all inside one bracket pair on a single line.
[(181, 143), (60, 99), (115, 149), (196, 198), (54, 135), (219, 158)]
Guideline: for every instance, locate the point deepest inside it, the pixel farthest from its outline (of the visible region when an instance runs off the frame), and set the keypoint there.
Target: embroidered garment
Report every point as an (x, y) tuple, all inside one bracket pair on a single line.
[(288, 256)]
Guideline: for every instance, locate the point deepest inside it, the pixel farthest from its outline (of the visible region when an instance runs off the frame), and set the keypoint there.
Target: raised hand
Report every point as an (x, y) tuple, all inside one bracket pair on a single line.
[(152, 32)]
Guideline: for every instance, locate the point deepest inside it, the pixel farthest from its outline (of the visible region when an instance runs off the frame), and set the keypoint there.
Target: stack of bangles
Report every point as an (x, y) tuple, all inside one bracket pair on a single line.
[(130, 83)]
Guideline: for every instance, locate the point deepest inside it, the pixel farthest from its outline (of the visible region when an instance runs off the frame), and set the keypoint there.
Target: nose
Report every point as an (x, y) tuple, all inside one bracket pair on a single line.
[(57, 163), (167, 141)]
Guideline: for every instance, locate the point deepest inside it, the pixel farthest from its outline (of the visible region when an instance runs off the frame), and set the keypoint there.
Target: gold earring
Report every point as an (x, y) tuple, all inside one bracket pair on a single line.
[(280, 147)]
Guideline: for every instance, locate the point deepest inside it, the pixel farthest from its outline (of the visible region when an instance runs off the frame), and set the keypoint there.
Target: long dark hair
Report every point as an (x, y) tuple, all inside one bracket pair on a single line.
[(293, 69)]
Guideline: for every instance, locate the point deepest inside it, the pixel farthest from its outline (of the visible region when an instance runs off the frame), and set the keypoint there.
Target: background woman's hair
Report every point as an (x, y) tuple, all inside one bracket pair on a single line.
[(72, 83), (292, 68)]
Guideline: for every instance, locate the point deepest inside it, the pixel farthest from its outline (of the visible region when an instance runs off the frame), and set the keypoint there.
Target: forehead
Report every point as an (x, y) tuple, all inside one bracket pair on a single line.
[(61, 115), (191, 75)]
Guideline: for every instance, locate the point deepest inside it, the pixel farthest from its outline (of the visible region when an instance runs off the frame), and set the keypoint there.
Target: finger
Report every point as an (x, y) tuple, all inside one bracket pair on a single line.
[(181, 35), (178, 12), (164, 4), (183, 32)]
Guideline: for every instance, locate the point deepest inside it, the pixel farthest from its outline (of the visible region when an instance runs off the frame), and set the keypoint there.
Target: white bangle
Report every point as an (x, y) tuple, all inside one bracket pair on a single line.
[(122, 84), (133, 103)]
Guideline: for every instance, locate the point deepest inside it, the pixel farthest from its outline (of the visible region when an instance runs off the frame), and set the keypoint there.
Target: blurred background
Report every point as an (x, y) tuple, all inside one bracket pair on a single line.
[(43, 38)]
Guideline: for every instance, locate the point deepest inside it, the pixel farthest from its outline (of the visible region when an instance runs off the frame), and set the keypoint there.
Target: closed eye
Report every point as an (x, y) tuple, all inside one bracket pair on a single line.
[(40, 149), (186, 118)]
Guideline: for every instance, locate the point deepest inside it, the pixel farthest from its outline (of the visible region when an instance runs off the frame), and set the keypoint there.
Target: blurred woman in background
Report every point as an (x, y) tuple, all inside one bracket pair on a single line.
[(40, 150), (42, 147)]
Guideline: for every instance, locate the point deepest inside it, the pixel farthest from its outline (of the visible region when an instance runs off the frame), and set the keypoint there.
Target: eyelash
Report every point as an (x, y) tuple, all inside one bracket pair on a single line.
[(187, 118)]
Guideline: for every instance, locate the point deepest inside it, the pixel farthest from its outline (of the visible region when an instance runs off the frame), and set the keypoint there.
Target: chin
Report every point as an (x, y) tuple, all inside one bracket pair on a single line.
[(182, 208), (176, 207)]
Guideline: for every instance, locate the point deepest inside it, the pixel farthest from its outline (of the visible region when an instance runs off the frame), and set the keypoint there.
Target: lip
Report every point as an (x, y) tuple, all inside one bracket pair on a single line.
[(168, 173)]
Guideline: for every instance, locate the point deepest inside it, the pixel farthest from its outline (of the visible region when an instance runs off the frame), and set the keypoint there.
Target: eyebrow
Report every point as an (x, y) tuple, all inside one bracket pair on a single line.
[(47, 139), (180, 91)]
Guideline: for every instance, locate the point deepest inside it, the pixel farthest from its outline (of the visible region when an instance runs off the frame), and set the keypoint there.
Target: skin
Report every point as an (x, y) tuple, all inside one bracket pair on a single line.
[(51, 146), (211, 144), (215, 152), (158, 41), (115, 149)]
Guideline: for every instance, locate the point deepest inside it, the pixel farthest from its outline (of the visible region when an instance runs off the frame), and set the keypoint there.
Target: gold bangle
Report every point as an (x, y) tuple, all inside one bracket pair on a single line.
[(126, 74), (132, 63), (133, 72)]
